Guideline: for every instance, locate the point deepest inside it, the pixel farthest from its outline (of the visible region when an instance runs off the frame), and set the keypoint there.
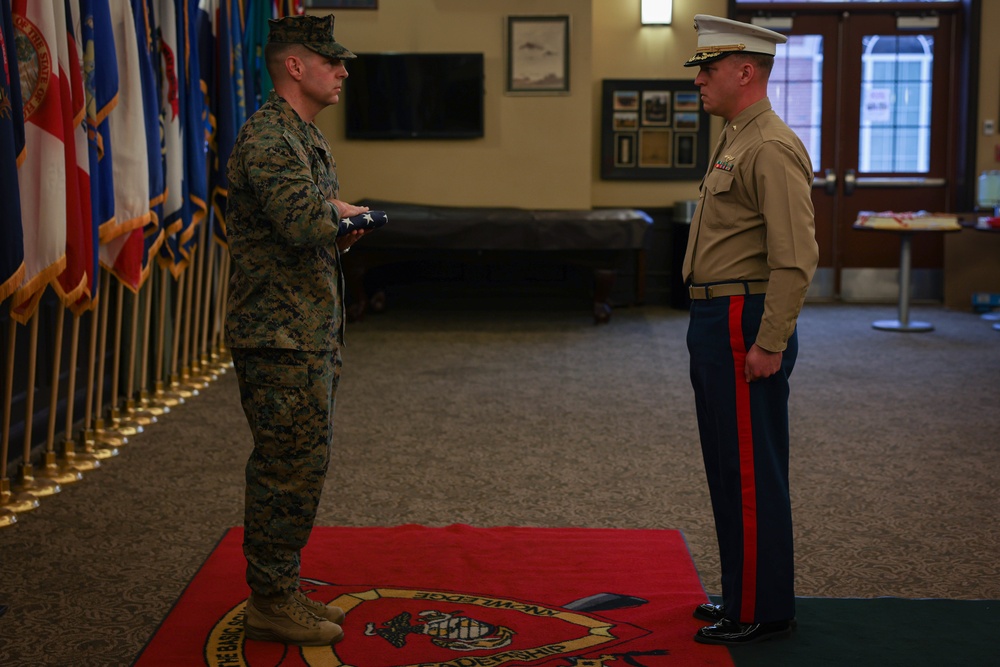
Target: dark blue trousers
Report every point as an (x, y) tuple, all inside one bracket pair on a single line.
[(744, 441)]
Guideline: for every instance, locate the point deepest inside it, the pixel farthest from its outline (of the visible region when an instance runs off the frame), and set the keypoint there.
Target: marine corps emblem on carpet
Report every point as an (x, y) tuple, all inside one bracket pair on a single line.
[(460, 596)]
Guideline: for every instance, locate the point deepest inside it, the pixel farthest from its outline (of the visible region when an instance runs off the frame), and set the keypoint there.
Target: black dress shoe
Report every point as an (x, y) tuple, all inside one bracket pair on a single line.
[(713, 613), (731, 633)]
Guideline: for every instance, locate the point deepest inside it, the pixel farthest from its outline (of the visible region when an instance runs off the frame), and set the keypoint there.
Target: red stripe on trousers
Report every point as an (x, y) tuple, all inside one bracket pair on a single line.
[(744, 430)]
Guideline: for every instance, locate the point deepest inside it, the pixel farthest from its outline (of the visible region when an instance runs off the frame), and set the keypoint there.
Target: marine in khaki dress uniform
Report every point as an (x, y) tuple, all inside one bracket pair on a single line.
[(285, 320), (750, 258)]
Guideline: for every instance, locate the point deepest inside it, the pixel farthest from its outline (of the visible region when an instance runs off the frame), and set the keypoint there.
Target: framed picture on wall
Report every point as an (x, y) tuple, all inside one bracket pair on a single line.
[(656, 107), (687, 100), (625, 120), (342, 4), (685, 149), (625, 149), (653, 129), (626, 100), (686, 120), (655, 148), (537, 55)]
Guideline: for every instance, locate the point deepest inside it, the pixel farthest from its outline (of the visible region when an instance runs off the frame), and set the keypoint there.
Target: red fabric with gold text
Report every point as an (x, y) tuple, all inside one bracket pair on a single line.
[(460, 596)]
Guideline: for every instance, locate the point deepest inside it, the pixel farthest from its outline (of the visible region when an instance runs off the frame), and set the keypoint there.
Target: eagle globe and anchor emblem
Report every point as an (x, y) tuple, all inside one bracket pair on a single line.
[(422, 627), (447, 630)]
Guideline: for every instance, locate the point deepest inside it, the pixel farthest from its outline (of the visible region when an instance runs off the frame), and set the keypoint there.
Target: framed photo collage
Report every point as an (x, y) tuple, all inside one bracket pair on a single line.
[(653, 129)]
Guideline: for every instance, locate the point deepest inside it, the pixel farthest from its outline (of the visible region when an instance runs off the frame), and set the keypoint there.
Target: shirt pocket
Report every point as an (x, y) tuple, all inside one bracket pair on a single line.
[(719, 200)]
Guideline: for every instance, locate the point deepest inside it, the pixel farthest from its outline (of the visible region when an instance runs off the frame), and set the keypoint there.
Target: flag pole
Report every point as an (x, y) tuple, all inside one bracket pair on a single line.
[(39, 487), (69, 450), (115, 421), (145, 403), (89, 438), (175, 384), (160, 395), (10, 504), (100, 433), (215, 357), (220, 343), (199, 272), (136, 415), (199, 356), (208, 330), (52, 470), (186, 379)]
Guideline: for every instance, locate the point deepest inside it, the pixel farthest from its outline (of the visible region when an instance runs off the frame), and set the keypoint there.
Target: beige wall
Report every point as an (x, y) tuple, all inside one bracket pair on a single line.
[(543, 152), (989, 89), (536, 152), (623, 49)]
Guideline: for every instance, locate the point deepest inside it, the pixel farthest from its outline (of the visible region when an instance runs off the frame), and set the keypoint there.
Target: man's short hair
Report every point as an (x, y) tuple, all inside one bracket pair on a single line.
[(761, 61)]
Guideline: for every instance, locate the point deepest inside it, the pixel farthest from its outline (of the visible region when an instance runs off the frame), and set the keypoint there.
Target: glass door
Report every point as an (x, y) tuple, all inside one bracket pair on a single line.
[(869, 93)]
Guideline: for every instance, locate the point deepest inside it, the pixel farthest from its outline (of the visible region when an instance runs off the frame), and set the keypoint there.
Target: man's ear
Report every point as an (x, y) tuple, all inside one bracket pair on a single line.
[(294, 67)]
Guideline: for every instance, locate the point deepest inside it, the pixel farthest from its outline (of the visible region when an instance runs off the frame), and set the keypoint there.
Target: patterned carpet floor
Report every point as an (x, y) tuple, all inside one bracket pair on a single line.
[(536, 417)]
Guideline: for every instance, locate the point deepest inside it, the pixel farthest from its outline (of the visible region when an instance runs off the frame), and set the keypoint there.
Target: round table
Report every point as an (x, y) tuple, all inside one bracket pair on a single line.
[(903, 322)]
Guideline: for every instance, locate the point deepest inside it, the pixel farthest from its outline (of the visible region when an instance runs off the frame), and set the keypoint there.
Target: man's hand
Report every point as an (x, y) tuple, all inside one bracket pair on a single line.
[(761, 363), (345, 242), (348, 210)]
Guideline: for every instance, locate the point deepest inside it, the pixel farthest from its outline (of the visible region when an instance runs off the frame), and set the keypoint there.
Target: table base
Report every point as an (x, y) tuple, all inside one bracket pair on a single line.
[(896, 325)]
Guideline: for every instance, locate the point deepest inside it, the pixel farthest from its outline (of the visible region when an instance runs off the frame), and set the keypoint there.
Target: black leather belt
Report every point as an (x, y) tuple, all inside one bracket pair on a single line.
[(727, 289)]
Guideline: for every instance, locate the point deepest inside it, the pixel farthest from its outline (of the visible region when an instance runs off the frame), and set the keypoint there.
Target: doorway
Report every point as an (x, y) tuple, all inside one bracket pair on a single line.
[(871, 91)]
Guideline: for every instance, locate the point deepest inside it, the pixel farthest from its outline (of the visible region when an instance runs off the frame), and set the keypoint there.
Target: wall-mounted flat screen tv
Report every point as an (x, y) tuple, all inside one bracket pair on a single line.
[(414, 96)]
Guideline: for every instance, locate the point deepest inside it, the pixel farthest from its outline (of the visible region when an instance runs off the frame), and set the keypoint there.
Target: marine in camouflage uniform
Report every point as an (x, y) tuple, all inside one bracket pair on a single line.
[(285, 319)]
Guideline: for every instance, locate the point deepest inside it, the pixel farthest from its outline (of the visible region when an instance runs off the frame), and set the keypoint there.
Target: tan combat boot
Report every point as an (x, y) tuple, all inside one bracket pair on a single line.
[(287, 621), (327, 611)]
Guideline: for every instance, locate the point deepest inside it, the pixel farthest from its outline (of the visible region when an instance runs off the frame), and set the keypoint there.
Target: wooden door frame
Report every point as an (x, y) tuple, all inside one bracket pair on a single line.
[(965, 82)]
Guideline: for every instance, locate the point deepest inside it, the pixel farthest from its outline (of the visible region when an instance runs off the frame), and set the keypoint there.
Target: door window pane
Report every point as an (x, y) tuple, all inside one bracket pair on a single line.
[(795, 89), (896, 80)]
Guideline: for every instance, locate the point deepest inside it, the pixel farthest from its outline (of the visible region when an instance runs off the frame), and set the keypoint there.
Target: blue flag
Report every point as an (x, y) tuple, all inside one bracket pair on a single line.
[(229, 104), (148, 56), (11, 149), (258, 81), (194, 123), (100, 67)]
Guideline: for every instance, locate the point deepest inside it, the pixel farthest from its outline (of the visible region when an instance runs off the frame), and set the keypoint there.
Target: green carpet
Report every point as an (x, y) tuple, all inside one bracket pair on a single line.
[(884, 632)]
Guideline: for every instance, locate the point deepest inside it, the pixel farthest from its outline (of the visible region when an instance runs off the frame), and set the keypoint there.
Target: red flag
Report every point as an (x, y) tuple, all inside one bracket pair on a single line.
[(42, 176), (76, 285)]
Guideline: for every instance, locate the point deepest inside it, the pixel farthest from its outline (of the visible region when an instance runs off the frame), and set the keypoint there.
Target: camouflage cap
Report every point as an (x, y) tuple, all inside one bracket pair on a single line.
[(314, 32)]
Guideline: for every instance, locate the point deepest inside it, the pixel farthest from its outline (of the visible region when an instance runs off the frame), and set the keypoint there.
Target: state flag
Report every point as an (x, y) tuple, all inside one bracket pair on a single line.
[(171, 73), (101, 89), (77, 284), (42, 175), (148, 55), (122, 245), (258, 81)]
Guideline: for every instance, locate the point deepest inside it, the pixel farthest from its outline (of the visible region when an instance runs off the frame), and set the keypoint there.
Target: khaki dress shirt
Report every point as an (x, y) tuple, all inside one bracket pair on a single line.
[(754, 220)]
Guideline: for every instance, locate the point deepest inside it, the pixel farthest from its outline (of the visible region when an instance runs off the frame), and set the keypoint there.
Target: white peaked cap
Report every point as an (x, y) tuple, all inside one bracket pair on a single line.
[(719, 37)]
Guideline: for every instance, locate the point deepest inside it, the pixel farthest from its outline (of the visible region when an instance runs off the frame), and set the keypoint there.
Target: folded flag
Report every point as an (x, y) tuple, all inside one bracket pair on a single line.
[(369, 220)]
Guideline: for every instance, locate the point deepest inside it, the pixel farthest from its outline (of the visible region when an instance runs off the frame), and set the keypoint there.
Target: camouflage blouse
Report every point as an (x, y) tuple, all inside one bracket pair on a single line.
[(286, 285)]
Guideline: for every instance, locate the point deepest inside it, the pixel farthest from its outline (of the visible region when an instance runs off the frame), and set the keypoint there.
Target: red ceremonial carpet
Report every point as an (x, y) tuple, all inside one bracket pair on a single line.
[(461, 597)]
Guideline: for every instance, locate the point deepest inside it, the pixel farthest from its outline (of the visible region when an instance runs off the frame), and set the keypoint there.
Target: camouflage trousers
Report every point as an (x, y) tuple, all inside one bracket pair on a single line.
[(288, 397)]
